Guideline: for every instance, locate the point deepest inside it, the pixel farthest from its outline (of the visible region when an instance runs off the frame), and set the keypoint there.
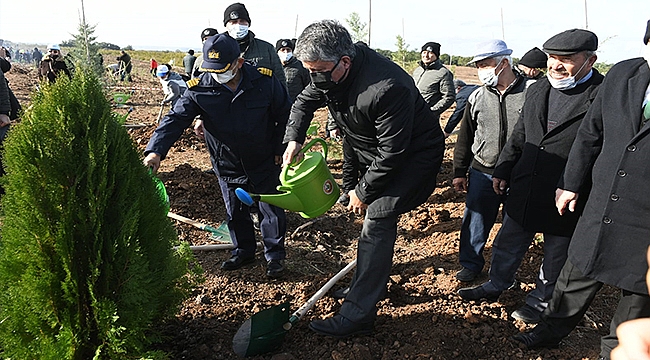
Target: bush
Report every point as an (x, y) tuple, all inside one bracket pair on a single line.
[(86, 259)]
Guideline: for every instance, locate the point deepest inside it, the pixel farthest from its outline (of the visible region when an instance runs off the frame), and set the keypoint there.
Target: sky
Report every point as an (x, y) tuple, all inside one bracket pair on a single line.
[(457, 25)]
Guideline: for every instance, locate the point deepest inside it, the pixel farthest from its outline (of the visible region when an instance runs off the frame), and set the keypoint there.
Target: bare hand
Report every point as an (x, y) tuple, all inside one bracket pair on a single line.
[(4, 120), (152, 160), (356, 206), (199, 130), (460, 184), (293, 150), (499, 186), (335, 133), (565, 199)]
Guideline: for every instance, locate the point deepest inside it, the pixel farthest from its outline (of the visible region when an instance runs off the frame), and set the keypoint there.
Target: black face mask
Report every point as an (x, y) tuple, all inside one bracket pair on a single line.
[(323, 79)]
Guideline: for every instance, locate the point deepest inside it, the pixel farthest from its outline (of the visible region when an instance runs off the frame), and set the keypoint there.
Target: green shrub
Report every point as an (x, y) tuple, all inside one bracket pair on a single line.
[(86, 259)]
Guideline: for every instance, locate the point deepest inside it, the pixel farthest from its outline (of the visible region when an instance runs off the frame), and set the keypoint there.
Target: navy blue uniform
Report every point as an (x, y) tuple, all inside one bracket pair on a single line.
[(243, 133)]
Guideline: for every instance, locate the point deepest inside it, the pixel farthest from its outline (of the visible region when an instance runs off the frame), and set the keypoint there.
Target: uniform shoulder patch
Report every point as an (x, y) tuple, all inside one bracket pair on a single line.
[(193, 82), (265, 71)]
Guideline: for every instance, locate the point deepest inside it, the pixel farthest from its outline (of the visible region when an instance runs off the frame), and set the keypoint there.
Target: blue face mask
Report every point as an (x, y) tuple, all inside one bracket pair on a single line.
[(237, 31), (285, 56)]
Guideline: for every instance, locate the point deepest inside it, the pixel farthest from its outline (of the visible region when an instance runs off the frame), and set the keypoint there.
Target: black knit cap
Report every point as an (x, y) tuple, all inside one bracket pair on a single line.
[(646, 38), (433, 47), (234, 12), (571, 42), (534, 58), (284, 43), (207, 32)]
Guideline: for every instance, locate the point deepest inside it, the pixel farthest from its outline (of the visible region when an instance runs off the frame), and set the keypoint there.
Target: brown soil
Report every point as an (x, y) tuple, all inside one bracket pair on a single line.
[(421, 317)]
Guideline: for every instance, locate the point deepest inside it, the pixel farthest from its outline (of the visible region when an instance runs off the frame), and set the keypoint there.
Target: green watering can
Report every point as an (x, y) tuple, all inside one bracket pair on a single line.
[(160, 189), (307, 187)]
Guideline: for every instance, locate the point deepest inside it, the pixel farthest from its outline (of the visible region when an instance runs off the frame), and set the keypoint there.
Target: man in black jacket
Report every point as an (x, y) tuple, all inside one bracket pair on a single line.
[(390, 127), (530, 166), (244, 114), (612, 235), (296, 74)]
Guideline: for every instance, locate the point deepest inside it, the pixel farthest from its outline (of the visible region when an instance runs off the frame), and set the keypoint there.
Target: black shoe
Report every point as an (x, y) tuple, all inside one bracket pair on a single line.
[(340, 327), (527, 314), (274, 269), (210, 171), (235, 262), (478, 293), (534, 340), (341, 293), (466, 275)]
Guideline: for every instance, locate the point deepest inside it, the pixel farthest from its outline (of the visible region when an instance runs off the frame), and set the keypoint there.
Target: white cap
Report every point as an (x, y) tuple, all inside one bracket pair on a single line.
[(161, 70), (54, 47)]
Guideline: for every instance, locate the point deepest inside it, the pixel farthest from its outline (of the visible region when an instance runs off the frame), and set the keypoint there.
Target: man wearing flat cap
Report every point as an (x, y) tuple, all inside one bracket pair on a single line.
[(532, 63), (490, 115), (244, 141), (611, 151), (434, 81), (531, 164), (296, 74), (256, 52)]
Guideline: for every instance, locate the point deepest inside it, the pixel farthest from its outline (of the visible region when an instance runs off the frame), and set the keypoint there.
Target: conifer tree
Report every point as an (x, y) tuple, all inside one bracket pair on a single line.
[(86, 259)]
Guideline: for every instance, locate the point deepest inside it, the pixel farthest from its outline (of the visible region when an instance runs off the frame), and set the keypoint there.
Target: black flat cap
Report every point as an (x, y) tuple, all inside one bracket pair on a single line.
[(570, 42), (646, 38), (534, 58)]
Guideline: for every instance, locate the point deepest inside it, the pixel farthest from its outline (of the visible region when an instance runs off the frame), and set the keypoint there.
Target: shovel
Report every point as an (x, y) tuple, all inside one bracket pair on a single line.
[(264, 331), (220, 233), (162, 106)]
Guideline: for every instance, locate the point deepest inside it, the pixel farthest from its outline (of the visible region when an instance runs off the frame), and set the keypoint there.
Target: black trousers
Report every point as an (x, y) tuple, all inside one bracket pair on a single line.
[(571, 299), (273, 225), (374, 262)]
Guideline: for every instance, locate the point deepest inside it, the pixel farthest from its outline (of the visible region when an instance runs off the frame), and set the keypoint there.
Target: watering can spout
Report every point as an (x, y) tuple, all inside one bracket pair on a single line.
[(307, 188)]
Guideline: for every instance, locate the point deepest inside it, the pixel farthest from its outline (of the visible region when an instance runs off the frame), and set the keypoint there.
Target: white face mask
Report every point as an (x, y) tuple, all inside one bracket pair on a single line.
[(488, 76), (285, 56), (237, 31), (566, 83), (224, 77)]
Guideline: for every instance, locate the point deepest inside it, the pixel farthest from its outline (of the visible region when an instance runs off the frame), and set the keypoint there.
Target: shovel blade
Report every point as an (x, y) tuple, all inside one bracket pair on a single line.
[(221, 233), (262, 332)]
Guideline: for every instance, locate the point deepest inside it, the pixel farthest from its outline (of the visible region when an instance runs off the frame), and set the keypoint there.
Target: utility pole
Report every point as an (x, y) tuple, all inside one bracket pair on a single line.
[(369, 20), (586, 20), (503, 31), (295, 30)]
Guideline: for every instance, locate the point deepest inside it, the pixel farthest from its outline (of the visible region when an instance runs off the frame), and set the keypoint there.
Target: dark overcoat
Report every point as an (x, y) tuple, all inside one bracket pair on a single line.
[(612, 235), (533, 159), (389, 127)]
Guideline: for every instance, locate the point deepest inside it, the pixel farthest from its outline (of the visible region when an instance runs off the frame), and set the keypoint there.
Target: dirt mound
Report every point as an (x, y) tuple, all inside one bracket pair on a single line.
[(421, 317)]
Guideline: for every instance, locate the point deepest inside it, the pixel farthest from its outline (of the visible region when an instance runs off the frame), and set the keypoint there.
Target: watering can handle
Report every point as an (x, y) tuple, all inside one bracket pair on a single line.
[(307, 146)]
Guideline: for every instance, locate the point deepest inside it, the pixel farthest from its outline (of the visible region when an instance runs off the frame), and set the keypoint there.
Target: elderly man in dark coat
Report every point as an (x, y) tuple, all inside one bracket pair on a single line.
[(531, 164), (611, 238), (391, 130)]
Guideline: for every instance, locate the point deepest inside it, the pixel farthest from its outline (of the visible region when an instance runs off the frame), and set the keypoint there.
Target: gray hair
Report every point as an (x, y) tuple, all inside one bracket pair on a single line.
[(500, 58), (326, 40)]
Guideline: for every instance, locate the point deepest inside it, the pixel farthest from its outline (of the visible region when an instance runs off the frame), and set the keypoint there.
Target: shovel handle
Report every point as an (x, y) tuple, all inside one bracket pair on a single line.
[(188, 221), (319, 294)]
